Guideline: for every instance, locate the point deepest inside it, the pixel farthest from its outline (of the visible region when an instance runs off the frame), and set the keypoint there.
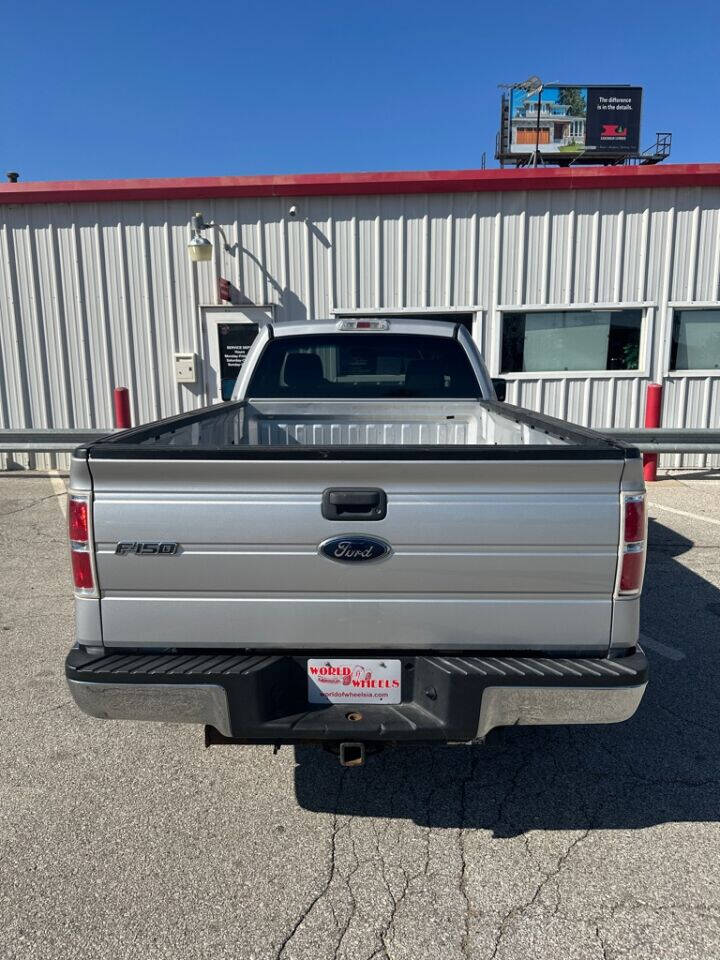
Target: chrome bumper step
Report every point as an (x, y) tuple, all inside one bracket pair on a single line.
[(263, 698)]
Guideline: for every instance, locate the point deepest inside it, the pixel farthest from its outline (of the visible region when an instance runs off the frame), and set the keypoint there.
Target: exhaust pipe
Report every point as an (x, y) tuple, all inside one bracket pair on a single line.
[(352, 754)]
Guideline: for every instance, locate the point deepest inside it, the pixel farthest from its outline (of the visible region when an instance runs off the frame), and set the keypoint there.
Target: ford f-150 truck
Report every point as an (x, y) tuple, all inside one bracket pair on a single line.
[(363, 547)]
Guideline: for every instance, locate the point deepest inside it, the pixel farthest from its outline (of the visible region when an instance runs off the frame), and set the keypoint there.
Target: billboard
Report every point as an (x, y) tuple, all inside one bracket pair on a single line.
[(573, 120)]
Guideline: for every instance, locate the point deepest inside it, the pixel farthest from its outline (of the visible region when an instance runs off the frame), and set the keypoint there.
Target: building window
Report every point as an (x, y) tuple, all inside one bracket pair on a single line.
[(696, 340), (571, 340)]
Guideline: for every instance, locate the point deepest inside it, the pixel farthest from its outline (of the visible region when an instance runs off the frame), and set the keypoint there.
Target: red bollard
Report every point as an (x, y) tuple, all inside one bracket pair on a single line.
[(121, 399), (653, 411)]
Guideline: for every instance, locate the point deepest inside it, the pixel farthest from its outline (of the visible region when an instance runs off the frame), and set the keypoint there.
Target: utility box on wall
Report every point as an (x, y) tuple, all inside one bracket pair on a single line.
[(185, 367)]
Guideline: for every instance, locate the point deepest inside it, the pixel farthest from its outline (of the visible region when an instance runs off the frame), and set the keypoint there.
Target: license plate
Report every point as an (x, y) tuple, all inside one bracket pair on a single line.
[(353, 680)]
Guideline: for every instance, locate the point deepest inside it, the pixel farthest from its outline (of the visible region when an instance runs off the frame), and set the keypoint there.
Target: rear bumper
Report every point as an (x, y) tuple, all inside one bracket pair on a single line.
[(263, 699)]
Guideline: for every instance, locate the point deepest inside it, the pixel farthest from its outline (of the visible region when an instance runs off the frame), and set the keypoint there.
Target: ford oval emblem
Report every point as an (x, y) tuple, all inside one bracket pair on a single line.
[(355, 549)]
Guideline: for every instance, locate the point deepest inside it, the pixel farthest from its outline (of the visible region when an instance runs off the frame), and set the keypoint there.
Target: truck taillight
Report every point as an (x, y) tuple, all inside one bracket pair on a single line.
[(78, 520), (80, 545), (82, 569), (634, 518), (633, 545)]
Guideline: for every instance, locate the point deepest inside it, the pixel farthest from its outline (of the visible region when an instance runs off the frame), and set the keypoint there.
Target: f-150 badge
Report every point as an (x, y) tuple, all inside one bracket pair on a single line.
[(354, 549), (146, 548)]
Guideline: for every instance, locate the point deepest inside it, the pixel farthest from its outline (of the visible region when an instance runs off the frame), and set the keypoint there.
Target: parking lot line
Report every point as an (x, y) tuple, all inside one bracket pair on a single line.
[(58, 484), (664, 649), (684, 513)]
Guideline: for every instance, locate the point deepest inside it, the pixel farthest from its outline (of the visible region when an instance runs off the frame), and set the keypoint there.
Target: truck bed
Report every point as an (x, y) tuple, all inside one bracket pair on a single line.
[(309, 429)]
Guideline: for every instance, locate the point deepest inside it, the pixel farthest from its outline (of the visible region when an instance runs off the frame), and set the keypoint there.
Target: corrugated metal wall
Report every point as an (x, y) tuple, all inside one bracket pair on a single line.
[(98, 295)]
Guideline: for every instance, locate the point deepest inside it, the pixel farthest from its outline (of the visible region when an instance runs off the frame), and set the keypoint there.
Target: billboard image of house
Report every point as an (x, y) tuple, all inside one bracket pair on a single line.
[(562, 121)]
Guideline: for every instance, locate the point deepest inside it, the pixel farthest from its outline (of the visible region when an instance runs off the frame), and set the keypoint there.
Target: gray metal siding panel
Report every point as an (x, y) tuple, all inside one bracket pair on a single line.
[(99, 295)]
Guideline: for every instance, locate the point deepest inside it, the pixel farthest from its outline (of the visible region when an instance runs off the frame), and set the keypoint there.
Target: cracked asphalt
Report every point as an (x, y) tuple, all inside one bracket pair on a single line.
[(130, 840)]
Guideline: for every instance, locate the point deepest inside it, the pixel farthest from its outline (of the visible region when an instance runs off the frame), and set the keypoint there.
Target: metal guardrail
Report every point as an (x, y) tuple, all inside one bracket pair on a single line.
[(667, 439), (47, 441), (661, 440)]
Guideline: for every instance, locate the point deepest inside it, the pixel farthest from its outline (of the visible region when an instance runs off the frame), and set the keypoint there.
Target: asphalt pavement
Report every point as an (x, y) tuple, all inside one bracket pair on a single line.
[(130, 840)]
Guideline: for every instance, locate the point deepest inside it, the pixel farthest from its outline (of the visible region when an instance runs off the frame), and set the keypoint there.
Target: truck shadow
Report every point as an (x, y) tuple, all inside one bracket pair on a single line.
[(663, 765)]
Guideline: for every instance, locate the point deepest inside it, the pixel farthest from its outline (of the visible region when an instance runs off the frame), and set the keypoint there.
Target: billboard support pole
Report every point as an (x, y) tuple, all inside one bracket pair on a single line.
[(537, 129)]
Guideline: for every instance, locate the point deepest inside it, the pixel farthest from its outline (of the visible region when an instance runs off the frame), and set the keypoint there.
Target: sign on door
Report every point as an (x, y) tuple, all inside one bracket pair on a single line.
[(234, 340)]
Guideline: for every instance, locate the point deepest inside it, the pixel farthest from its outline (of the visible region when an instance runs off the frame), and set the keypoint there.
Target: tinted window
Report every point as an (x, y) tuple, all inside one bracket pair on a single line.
[(696, 340), (363, 365), (571, 340)]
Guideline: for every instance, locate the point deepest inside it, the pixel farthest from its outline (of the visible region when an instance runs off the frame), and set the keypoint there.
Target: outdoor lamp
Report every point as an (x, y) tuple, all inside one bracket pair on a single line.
[(199, 247)]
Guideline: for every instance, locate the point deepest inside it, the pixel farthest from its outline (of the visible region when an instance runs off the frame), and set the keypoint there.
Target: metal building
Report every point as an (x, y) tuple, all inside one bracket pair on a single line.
[(581, 286)]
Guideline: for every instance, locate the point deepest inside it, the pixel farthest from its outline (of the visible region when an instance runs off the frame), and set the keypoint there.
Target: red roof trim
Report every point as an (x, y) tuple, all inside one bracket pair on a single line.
[(349, 184)]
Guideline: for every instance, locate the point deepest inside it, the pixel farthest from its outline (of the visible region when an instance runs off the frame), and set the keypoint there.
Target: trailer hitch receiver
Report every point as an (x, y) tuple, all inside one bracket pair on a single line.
[(352, 754)]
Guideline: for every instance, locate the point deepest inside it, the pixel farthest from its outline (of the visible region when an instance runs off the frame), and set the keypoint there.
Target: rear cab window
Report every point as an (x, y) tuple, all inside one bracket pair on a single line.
[(368, 366)]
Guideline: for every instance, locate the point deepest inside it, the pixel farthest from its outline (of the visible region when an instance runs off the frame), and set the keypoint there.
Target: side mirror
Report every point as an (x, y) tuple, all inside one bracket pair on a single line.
[(500, 387)]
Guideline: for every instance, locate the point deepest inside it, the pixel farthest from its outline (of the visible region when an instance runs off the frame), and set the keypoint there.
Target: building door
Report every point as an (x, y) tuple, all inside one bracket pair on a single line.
[(227, 334)]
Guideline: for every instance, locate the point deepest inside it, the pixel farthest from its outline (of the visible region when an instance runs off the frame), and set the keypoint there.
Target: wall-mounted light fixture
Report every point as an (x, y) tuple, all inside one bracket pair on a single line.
[(199, 247)]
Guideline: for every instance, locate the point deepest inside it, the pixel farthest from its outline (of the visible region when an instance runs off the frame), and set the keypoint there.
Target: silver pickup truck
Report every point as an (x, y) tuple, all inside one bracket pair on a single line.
[(363, 547)]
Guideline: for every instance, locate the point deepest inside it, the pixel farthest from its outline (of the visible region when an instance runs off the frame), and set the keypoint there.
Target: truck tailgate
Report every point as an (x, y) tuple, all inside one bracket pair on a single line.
[(487, 554)]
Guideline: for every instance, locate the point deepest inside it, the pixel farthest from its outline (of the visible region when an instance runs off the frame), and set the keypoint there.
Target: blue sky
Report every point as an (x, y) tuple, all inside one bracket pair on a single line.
[(151, 89)]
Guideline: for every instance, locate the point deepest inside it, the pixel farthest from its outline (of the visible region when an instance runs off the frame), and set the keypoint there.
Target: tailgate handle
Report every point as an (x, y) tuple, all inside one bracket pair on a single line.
[(346, 503)]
